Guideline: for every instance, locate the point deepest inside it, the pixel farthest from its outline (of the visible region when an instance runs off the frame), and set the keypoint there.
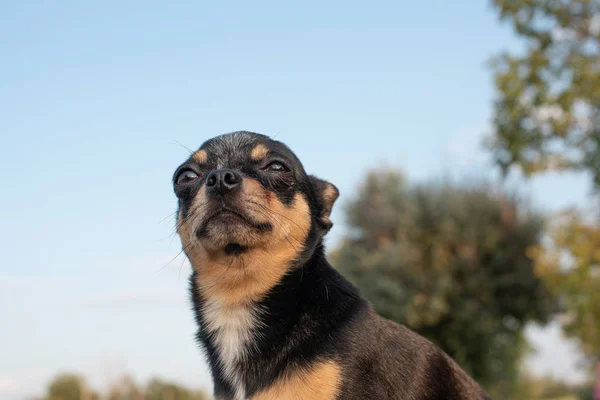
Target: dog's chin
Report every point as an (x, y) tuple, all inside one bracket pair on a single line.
[(231, 234)]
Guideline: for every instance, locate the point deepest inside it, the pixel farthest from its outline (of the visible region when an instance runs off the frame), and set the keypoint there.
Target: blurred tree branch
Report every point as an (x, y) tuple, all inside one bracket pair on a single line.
[(547, 112)]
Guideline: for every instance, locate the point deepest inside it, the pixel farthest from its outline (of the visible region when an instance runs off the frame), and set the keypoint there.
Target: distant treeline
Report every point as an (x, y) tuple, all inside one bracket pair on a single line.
[(69, 386)]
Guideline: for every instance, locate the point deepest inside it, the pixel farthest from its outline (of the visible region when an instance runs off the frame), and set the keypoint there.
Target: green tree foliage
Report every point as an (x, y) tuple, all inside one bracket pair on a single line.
[(160, 390), (547, 114), (450, 263), (69, 387)]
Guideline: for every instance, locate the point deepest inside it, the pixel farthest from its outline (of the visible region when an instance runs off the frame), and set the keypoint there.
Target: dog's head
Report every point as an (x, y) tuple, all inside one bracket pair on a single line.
[(246, 203)]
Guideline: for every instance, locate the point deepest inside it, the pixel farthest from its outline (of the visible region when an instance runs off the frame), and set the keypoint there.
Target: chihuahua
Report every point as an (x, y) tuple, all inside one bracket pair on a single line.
[(276, 321)]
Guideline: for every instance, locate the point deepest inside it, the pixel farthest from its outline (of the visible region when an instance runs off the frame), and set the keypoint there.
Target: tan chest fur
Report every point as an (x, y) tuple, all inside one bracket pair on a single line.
[(319, 382)]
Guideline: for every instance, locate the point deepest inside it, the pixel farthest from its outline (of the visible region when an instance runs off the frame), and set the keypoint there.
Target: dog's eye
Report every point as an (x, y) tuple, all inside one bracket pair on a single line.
[(186, 177), (276, 166)]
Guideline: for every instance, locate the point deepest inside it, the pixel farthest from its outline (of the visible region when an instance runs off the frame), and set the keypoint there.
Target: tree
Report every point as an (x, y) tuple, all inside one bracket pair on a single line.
[(73, 387), (69, 387), (125, 389), (161, 390), (532, 387), (547, 114), (450, 263)]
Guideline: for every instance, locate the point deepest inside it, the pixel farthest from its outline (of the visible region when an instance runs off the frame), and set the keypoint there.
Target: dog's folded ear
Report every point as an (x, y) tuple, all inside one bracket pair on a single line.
[(326, 194)]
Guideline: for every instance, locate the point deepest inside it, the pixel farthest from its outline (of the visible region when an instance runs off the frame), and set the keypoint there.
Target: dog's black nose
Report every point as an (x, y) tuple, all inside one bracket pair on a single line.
[(223, 181)]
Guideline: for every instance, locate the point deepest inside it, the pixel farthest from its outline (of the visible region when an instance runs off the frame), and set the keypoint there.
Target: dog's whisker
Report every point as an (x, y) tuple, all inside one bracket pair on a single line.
[(167, 217), (275, 220), (185, 147), (275, 212), (188, 247)]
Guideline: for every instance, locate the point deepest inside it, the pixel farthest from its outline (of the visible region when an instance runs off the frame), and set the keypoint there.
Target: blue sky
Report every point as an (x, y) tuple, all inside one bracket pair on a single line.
[(95, 97)]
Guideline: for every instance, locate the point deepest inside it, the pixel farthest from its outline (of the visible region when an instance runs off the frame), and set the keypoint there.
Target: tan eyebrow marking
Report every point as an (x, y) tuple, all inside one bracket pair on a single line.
[(200, 156), (259, 152)]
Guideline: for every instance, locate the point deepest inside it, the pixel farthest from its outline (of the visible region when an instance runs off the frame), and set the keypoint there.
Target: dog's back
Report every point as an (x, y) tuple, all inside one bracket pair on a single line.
[(388, 361)]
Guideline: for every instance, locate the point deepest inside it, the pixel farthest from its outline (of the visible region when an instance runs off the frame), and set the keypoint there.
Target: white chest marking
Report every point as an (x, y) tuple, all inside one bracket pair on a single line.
[(231, 328)]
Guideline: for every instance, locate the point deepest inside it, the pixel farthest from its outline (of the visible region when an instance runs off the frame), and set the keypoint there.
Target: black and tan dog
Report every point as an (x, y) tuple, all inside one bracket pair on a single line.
[(277, 322)]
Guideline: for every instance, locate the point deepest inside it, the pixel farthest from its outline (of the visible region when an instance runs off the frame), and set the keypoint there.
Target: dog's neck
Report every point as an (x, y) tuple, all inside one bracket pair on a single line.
[(246, 337), (238, 275)]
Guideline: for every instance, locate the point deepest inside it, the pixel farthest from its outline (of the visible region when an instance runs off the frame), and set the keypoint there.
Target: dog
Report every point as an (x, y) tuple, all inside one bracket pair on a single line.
[(276, 321)]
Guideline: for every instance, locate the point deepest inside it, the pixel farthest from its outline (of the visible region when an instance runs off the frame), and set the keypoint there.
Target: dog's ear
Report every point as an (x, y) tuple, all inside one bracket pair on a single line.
[(326, 194)]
